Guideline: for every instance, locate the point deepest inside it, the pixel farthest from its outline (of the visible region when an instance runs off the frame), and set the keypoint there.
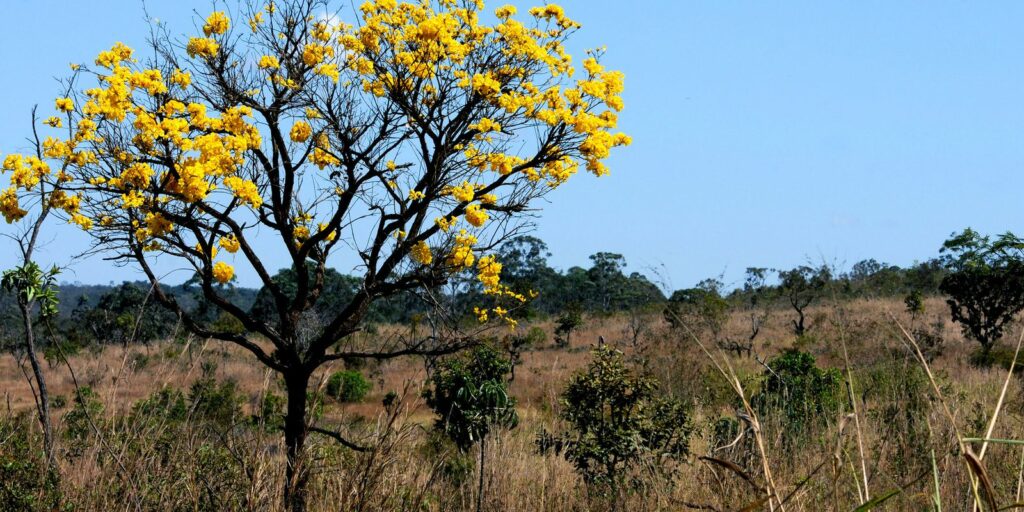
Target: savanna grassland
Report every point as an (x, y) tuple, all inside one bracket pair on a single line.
[(184, 425)]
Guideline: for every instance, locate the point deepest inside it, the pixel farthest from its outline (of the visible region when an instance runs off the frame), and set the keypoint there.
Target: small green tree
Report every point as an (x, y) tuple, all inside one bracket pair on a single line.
[(617, 421), (802, 286), (348, 386), (985, 283), (36, 292), (758, 299), (470, 397), (914, 302), (570, 320), (701, 308), (804, 393)]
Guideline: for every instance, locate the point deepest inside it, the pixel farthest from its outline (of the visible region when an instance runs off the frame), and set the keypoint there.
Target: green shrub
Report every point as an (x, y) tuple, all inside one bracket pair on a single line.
[(469, 396), (79, 420), (166, 404), (454, 466), (900, 387), (271, 413), (803, 393), (348, 386), (25, 483), (619, 420), (570, 320), (218, 403)]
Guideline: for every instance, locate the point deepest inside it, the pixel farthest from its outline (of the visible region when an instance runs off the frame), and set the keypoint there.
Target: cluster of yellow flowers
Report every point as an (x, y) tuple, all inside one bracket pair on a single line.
[(489, 274), (301, 131), (476, 216), (486, 125), (229, 243), (463, 193), (218, 23), (223, 272), (462, 255), (10, 207), (202, 47), (420, 253)]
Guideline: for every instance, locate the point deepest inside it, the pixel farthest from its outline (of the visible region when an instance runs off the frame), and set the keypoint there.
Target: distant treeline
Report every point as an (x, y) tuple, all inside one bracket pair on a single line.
[(102, 314), (865, 279)]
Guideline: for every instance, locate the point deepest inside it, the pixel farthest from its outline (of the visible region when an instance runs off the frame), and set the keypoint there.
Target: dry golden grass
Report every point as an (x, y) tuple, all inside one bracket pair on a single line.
[(901, 424)]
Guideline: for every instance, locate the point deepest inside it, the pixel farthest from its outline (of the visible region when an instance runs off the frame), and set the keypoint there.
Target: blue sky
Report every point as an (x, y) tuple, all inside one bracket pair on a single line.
[(765, 133)]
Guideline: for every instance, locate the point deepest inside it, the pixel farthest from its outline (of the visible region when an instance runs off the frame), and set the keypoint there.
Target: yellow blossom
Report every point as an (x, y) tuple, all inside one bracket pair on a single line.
[(301, 131), (486, 125), (81, 221), (116, 55), (476, 215), (464, 192), (9, 206), (421, 253), (269, 62), (505, 11), (244, 190), (132, 199), (481, 314), (462, 255), (445, 223), (485, 85), (65, 104), (181, 78), (218, 23), (489, 272), (229, 243), (315, 53), (223, 272), (202, 47)]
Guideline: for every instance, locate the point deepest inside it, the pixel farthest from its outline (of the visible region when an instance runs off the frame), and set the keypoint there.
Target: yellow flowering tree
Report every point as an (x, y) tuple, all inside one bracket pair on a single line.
[(412, 137)]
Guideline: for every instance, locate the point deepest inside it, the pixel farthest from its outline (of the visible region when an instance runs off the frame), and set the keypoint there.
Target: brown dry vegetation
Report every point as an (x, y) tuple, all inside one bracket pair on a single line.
[(128, 463)]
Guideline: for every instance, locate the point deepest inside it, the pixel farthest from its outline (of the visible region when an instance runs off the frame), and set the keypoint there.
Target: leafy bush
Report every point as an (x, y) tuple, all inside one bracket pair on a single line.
[(271, 412), (469, 396), (702, 309), (78, 422), (25, 483), (803, 393), (166, 404), (218, 403), (570, 320), (618, 419), (348, 386), (900, 387)]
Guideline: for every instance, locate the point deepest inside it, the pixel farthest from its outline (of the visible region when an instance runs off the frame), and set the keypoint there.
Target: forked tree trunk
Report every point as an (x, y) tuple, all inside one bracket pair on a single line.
[(798, 326), (296, 474)]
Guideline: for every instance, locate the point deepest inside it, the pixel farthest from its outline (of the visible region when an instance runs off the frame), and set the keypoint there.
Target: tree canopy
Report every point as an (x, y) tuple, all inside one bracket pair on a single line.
[(411, 137)]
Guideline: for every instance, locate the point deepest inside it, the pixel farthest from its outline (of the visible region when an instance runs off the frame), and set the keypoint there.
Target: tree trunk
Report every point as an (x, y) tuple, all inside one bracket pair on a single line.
[(295, 431), (43, 404), (480, 487)]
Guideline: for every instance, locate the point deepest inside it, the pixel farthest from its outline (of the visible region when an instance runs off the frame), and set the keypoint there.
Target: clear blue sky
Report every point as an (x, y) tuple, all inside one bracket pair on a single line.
[(765, 133)]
